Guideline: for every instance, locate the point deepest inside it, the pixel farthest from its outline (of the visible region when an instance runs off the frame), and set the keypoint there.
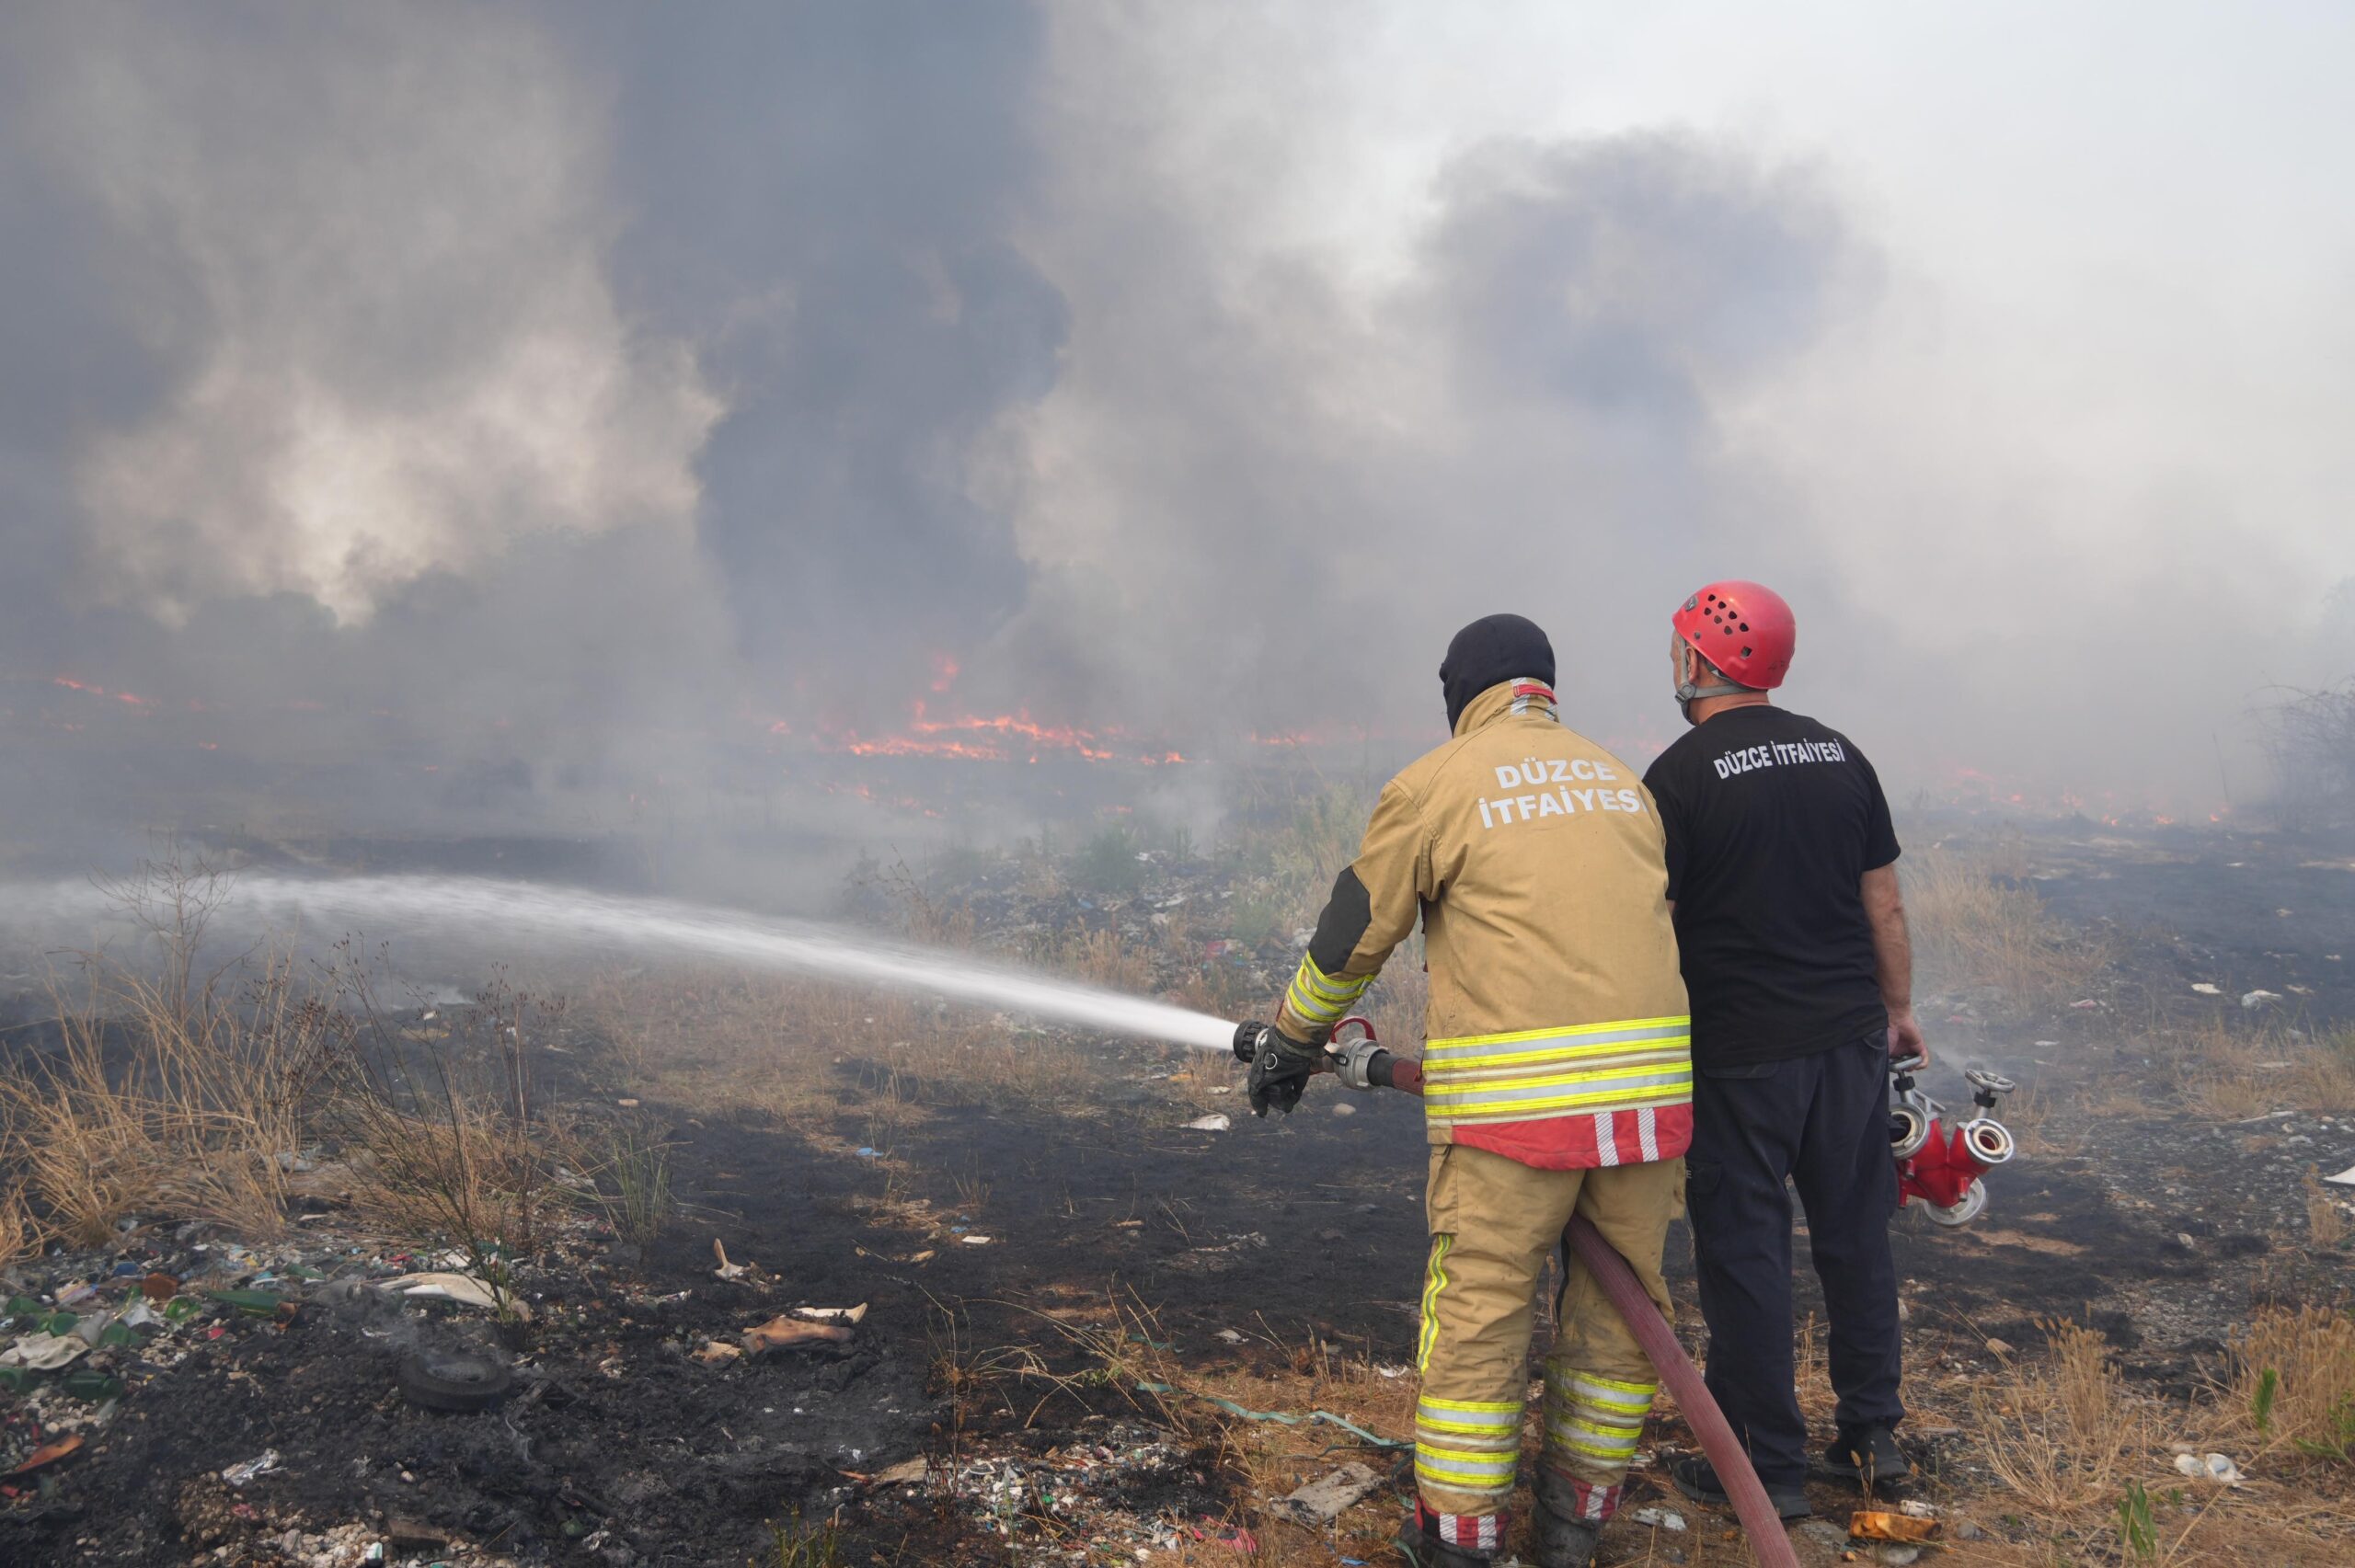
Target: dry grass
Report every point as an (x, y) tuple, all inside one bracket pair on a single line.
[(2326, 1218), (20, 1235), (446, 1140), (2063, 1438), (1972, 928), (162, 1100), (2293, 1383), (2232, 1073)]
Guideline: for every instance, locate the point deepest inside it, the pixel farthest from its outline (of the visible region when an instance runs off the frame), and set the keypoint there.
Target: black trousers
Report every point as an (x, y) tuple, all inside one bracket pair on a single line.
[(1822, 1123)]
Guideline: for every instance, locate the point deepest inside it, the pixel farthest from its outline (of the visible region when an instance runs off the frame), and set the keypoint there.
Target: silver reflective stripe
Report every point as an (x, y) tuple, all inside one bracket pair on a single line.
[(1489, 1050), (1615, 1084)]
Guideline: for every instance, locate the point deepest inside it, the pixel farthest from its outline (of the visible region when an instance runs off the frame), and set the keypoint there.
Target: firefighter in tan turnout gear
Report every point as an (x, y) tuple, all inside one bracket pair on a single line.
[(1558, 1079)]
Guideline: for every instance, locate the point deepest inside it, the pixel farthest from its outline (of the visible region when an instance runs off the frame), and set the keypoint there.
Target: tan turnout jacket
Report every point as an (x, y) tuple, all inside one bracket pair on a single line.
[(1557, 1032)]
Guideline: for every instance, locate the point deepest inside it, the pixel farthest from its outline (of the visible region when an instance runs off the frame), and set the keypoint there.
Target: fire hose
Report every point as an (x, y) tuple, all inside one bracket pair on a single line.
[(1362, 1060), (1941, 1169)]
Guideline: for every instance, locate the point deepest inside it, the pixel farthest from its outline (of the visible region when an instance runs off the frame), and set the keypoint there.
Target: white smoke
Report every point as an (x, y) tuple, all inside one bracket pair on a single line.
[(399, 348)]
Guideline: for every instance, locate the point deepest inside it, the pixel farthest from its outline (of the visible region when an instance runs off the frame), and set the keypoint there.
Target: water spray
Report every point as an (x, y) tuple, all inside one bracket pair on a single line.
[(477, 915)]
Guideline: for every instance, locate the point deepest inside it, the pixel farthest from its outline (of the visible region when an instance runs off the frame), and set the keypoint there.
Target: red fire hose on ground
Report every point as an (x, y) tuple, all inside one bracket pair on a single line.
[(1760, 1521)]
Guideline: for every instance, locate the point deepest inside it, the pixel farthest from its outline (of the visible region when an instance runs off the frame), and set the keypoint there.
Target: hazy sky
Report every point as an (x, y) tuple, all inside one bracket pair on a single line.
[(580, 392)]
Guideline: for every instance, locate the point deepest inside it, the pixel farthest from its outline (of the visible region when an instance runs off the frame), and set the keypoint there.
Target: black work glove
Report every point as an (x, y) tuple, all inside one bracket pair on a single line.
[(1280, 1069)]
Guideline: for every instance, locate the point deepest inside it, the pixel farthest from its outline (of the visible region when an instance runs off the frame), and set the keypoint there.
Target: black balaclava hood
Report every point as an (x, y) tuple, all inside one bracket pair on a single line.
[(1493, 649)]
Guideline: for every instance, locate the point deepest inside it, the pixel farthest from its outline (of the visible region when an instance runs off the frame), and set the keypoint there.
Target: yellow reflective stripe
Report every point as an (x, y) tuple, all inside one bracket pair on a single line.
[(1485, 1458), (1683, 1024), (1539, 1110), (1637, 1072), (1466, 1428), (1433, 1284), (1317, 997), (1464, 1480), (1602, 1444), (1325, 985), (1512, 1407), (1602, 1393)]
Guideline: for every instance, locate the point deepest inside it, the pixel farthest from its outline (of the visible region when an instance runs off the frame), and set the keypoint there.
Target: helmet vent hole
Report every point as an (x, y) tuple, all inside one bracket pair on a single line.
[(1745, 653)]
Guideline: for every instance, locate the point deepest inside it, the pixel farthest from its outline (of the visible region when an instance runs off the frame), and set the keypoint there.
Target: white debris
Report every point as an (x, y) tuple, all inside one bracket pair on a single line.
[(1216, 1122), (261, 1464), (727, 1270), (2207, 987), (45, 1352), (1343, 1108), (1659, 1518), (2253, 1000), (977, 1241), (832, 1314), (463, 1287), (2215, 1467), (1323, 1500), (2344, 1179), (1230, 1335)]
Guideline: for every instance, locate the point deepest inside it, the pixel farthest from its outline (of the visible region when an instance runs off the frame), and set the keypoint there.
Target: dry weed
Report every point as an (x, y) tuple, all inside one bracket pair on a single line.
[(2326, 1220), (2062, 1436), (20, 1235), (1971, 929), (2293, 1382), (161, 1099)]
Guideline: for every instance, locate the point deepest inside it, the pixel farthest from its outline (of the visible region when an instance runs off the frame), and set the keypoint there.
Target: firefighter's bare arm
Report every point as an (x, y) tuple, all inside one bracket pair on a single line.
[(1893, 961)]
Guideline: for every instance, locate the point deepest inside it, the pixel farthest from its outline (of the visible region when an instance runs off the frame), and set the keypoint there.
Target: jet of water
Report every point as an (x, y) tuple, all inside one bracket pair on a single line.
[(487, 917)]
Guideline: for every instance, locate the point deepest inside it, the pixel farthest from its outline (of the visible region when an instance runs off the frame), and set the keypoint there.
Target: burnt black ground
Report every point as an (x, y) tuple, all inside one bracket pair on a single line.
[(1274, 1228)]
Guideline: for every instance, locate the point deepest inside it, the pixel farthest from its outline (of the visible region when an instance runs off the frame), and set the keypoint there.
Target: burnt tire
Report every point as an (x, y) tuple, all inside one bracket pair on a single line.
[(456, 1380)]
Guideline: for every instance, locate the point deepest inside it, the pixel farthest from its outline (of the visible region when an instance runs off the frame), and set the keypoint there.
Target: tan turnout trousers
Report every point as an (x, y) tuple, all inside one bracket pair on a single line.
[(1493, 1220)]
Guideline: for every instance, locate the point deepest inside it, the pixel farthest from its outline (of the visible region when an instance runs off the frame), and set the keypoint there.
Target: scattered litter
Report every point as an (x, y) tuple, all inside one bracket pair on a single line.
[(727, 1270), (159, 1288), (867, 1154), (719, 1353), (1232, 1337), (1659, 1519), (45, 1352), (1875, 1524), (2086, 1003), (1282, 1418), (782, 1333), (462, 1288), (976, 1241), (2253, 1000), (262, 1464), (2213, 1467), (1214, 1123), (1324, 1500), (1400, 1370), (2207, 987), (2344, 1179), (1343, 1108), (48, 1454), (832, 1314), (1221, 1089), (2046, 1045), (1914, 1508), (907, 1472)]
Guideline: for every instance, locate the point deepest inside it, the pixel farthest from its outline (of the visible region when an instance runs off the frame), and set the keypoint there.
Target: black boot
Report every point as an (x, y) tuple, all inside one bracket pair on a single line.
[(1563, 1541), (1869, 1456), (1422, 1545), (1697, 1479)]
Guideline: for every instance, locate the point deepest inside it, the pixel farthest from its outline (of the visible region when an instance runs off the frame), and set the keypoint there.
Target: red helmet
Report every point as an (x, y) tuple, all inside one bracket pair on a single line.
[(1744, 628)]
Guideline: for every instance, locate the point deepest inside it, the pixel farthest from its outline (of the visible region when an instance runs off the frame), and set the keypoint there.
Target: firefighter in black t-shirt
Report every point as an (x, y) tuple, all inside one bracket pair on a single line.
[(1783, 878)]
